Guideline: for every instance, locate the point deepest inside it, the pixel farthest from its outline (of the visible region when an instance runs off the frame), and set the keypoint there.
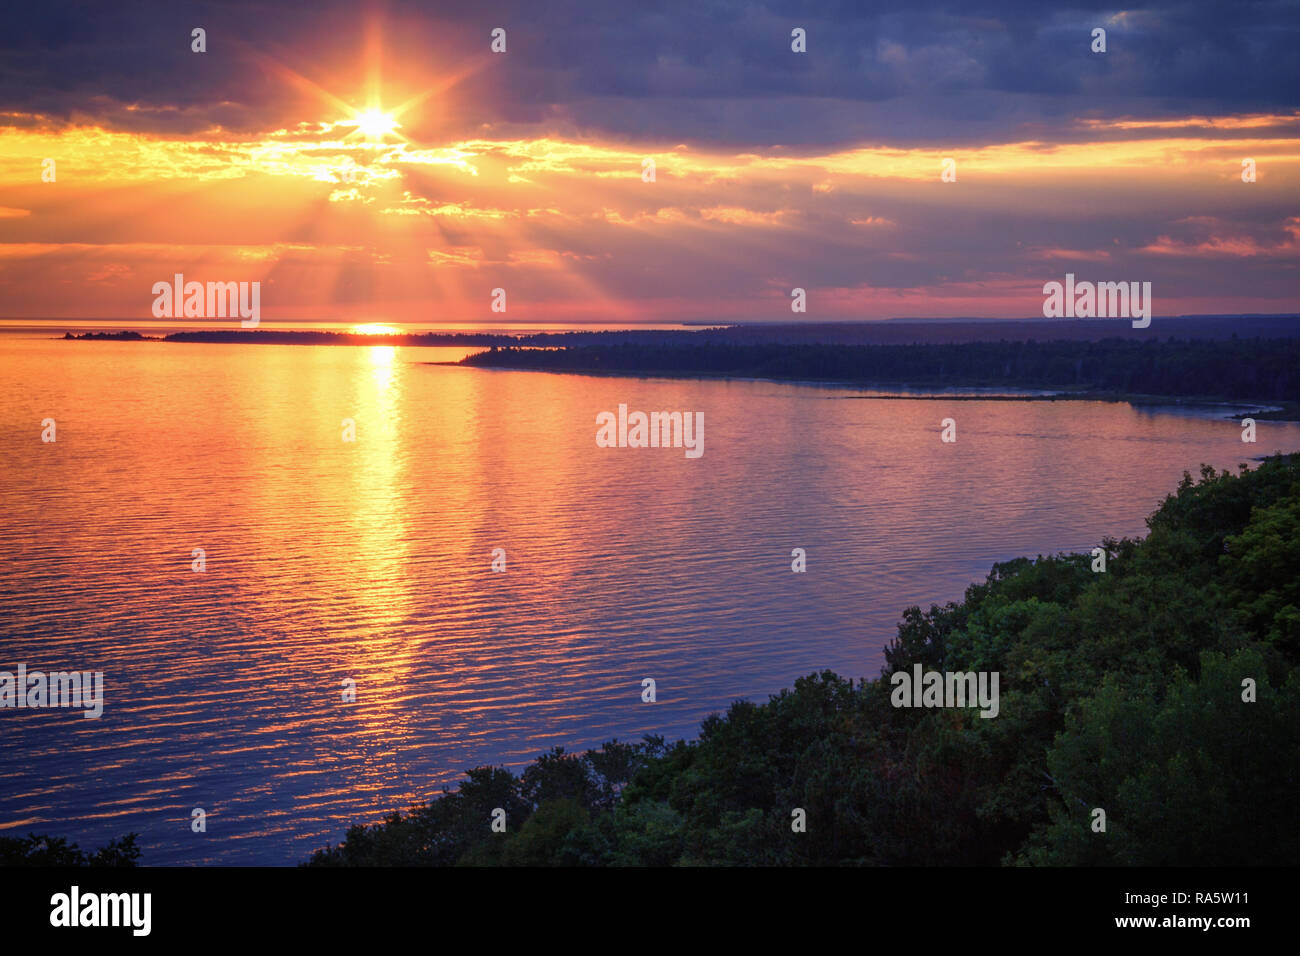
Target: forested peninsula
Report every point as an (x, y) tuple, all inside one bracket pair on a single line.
[(1248, 370)]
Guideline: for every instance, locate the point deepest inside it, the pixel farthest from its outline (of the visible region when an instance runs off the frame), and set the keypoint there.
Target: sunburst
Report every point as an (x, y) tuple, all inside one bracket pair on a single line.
[(374, 124)]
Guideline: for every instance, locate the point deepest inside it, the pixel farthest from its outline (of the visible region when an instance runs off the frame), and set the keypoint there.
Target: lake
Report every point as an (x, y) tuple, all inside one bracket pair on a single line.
[(371, 560)]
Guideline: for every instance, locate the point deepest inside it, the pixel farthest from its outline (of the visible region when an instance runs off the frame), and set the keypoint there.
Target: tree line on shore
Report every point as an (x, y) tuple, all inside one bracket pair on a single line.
[(1254, 369)]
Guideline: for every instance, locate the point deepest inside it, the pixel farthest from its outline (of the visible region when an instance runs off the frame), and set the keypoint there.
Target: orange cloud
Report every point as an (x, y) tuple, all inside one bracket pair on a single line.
[(333, 223)]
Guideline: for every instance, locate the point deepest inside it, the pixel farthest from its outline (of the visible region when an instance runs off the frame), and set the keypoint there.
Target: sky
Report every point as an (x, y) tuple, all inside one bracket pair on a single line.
[(380, 163)]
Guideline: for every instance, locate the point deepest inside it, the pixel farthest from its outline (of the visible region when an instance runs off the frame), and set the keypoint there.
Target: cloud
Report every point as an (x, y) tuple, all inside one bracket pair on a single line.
[(773, 169), (903, 72)]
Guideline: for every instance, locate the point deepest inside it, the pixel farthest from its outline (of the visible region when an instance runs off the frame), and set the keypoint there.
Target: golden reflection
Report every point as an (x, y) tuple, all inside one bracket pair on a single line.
[(379, 549), (382, 358)]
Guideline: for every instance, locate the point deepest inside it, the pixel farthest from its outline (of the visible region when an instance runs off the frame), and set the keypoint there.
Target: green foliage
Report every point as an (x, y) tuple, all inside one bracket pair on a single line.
[(1120, 690), (559, 833), (43, 850), (1198, 778), (1261, 574)]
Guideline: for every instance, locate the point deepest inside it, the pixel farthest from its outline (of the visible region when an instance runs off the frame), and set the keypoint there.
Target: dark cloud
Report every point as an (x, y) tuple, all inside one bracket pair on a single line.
[(901, 72)]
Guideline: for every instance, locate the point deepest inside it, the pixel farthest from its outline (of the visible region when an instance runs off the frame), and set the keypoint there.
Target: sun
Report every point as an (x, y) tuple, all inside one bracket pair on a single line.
[(375, 124)]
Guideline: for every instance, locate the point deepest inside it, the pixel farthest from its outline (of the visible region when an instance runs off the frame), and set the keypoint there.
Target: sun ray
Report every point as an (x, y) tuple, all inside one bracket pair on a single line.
[(298, 81)]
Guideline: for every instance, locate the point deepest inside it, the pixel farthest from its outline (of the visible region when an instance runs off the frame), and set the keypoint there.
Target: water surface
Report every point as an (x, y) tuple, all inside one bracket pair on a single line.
[(371, 560)]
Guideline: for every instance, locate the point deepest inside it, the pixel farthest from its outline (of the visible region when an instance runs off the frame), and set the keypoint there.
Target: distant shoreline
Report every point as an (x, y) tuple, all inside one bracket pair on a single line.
[(1260, 411), (1255, 378), (307, 337), (865, 332), (1192, 372)]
